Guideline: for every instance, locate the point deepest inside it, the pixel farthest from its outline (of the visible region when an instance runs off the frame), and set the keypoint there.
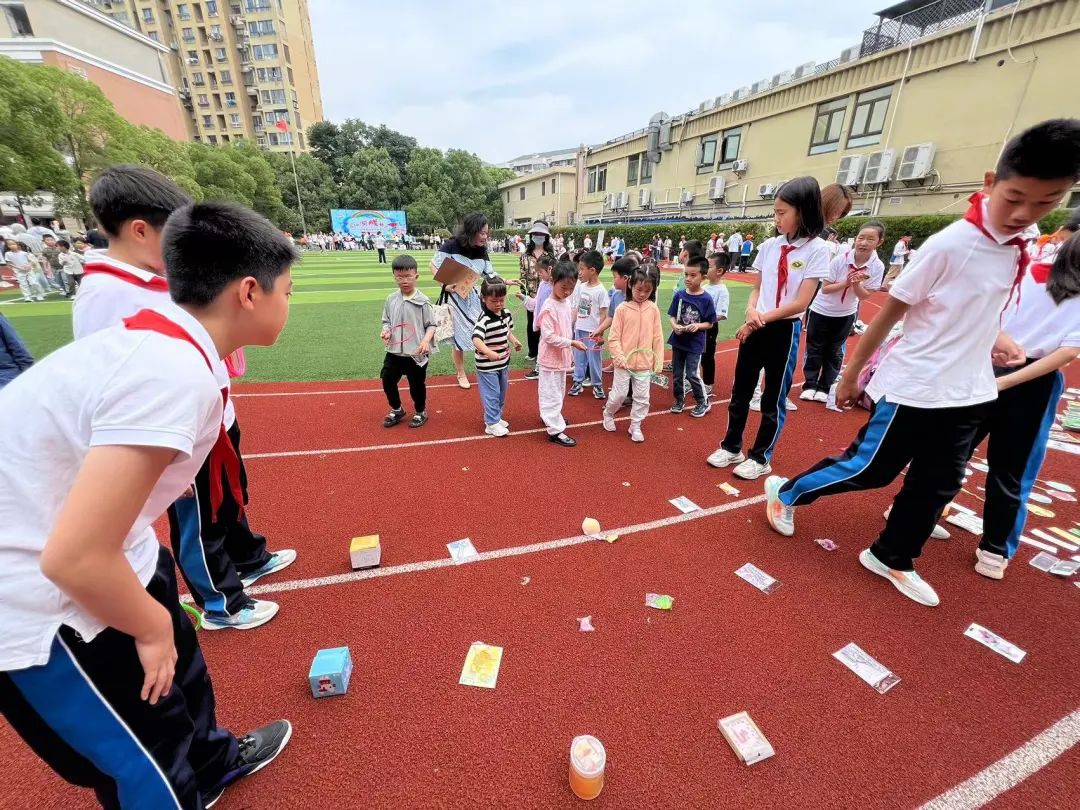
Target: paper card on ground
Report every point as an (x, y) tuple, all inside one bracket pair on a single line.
[(1049, 538), (990, 639), (1037, 544), (585, 624), (1043, 561), (862, 664), (481, 666), (660, 601), (959, 507), (462, 551), (728, 489), (827, 544), (969, 523), (684, 505), (745, 738), (1064, 447), (758, 578), (1065, 568)]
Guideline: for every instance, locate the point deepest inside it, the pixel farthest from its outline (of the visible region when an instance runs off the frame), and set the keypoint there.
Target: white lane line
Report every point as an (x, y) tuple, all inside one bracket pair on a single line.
[(510, 551), (1011, 769)]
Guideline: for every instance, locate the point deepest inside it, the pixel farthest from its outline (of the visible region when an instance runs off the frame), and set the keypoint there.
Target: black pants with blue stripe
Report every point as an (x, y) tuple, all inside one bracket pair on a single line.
[(933, 443), (775, 348), (81, 713), (214, 554), (1018, 424), (826, 339)]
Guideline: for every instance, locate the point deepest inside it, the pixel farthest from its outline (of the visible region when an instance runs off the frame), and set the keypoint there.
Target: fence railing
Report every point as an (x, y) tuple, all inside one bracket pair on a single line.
[(920, 22)]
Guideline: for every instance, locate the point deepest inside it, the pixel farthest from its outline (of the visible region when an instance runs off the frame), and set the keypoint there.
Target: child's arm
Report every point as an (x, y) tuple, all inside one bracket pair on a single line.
[(723, 301), (1007, 352), (753, 317), (891, 312), (657, 341), (1059, 358), (614, 342), (802, 300), (385, 334), (836, 286), (605, 322), (549, 336), (429, 329), (511, 335), (84, 554)]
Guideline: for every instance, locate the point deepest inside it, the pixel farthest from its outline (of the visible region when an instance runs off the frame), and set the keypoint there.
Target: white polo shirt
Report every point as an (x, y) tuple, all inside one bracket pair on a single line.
[(115, 387), (1038, 324), (810, 259), (955, 289), (837, 304), (734, 243), (104, 300)]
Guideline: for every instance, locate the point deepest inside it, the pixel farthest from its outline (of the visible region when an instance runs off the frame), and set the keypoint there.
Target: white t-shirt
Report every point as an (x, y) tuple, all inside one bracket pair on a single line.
[(837, 304), (104, 300), (810, 259), (588, 243), (956, 290), (18, 259), (734, 243), (1038, 324), (116, 387), (899, 252), (588, 301), (380, 243), (721, 298)]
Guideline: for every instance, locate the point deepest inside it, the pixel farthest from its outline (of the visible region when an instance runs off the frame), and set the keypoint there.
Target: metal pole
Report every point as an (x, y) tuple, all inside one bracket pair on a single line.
[(299, 202)]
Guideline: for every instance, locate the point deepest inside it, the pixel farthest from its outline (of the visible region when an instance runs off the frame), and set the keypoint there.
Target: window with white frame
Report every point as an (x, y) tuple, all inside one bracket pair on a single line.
[(868, 117)]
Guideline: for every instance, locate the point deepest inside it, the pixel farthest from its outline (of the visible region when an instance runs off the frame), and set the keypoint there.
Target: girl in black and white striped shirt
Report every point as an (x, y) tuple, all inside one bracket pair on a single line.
[(492, 336)]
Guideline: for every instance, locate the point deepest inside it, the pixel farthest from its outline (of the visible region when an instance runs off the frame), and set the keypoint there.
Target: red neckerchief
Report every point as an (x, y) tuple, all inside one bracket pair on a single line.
[(851, 270), (222, 454), (157, 283), (974, 215), (1040, 272), (782, 272)]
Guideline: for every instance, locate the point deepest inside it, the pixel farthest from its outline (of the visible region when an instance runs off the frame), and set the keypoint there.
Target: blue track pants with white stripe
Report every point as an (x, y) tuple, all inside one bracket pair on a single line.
[(935, 442), (81, 713)]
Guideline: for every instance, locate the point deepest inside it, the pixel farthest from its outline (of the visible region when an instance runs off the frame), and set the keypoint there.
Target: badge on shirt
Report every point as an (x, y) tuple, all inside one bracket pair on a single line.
[(798, 264)]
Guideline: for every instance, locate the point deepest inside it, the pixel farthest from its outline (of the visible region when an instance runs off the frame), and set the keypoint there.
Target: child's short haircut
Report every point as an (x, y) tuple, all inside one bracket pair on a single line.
[(493, 288), (722, 261), (547, 260), (593, 259), (1046, 151), (207, 246), (876, 225), (63, 243), (123, 193), (624, 266), (403, 262), (563, 271), (694, 248), (700, 262)]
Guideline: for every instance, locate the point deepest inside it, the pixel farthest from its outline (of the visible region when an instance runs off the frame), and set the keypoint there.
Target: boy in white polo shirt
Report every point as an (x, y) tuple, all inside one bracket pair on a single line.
[(936, 387), (218, 554), (100, 669)]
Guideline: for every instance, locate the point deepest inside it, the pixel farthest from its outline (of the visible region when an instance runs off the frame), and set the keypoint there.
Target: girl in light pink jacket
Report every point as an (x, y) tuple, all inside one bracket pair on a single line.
[(556, 323)]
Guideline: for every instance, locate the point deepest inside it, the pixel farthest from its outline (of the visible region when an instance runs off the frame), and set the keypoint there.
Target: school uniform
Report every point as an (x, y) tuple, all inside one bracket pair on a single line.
[(493, 376), (70, 686), (1020, 419), (775, 346), (830, 320), (933, 390), (213, 551)]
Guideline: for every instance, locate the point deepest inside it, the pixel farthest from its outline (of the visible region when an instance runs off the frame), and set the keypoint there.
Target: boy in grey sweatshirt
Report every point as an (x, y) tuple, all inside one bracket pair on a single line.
[(408, 329)]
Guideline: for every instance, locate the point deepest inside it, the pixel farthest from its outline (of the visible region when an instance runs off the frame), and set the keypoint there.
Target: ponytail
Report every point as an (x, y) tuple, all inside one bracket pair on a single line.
[(1064, 281)]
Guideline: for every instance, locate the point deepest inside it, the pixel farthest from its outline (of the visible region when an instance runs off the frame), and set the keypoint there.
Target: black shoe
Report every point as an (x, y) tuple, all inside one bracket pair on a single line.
[(418, 420), (532, 374), (258, 749), (563, 439), (677, 406), (393, 417)]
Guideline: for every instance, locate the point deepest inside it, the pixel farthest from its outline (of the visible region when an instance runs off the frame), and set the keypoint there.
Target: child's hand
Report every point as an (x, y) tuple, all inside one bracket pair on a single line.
[(744, 332), (693, 327), (519, 296), (385, 337), (754, 319), (577, 344), (425, 347), (678, 329), (517, 346), (847, 392)]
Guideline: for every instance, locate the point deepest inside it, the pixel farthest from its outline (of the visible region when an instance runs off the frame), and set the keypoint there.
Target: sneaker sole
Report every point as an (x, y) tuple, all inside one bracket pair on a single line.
[(739, 459), (247, 582), (989, 573), (766, 471), (875, 566), (207, 624), (772, 498), (280, 748), (700, 415)]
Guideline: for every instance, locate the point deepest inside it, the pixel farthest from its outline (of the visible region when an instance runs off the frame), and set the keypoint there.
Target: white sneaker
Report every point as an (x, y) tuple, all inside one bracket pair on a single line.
[(496, 430), (278, 560), (750, 469), (938, 533), (789, 405), (636, 435), (609, 422), (257, 613), (755, 400), (781, 517), (909, 583), (504, 423), (821, 396), (807, 394), (989, 564), (722, 458)]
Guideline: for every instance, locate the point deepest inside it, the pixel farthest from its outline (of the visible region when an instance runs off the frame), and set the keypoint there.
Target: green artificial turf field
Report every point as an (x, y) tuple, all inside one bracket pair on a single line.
[(334, 319)]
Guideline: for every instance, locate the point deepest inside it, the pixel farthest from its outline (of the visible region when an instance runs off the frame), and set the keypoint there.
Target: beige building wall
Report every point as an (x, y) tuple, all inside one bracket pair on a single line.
[(305, 69), (549, 195), (967, 110)]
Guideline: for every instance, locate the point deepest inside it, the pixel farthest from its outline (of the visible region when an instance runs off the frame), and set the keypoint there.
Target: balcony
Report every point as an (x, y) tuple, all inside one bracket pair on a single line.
[(252, 90)]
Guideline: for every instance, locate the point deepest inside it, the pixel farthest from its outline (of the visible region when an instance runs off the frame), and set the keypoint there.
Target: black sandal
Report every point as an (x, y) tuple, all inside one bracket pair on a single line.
[(418, 420), (393, 418)]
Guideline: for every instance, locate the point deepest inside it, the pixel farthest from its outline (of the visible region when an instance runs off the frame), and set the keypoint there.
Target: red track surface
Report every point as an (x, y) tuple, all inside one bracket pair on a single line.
[(651, 685)]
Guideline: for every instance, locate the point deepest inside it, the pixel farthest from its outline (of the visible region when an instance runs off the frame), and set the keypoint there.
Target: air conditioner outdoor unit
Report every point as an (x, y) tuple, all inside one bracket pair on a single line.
[(609, 202), (850, 171), (722, 99), (879, 166), (716, 188), (644, 198), (740, 166), (804, 70), (780, 78), (193, 60), (622, 201), (686, 198), (767, 190), (758, 87), (741, 93), (917, 162), (237, 20), (850, 54), (216, 37)]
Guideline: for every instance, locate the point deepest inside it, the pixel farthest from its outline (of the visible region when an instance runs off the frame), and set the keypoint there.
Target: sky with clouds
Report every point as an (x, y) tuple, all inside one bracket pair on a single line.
[(503, 78)]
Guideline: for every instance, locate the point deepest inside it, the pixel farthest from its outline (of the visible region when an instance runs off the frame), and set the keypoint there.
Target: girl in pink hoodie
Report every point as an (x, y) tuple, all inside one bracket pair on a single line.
[(556, 323)]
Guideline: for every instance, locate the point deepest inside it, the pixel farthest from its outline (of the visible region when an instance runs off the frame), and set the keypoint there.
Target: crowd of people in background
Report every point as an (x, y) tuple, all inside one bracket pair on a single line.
[(43, 260)]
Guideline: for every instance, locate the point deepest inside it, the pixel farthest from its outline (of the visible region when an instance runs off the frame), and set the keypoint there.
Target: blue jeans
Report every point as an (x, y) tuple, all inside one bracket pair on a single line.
[(686, 363), (493, 386), (591, 359)]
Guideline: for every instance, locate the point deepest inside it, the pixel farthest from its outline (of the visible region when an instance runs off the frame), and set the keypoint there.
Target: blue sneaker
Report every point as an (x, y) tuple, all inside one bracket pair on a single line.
[(254, 614), (278, 560), (576, 389)]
